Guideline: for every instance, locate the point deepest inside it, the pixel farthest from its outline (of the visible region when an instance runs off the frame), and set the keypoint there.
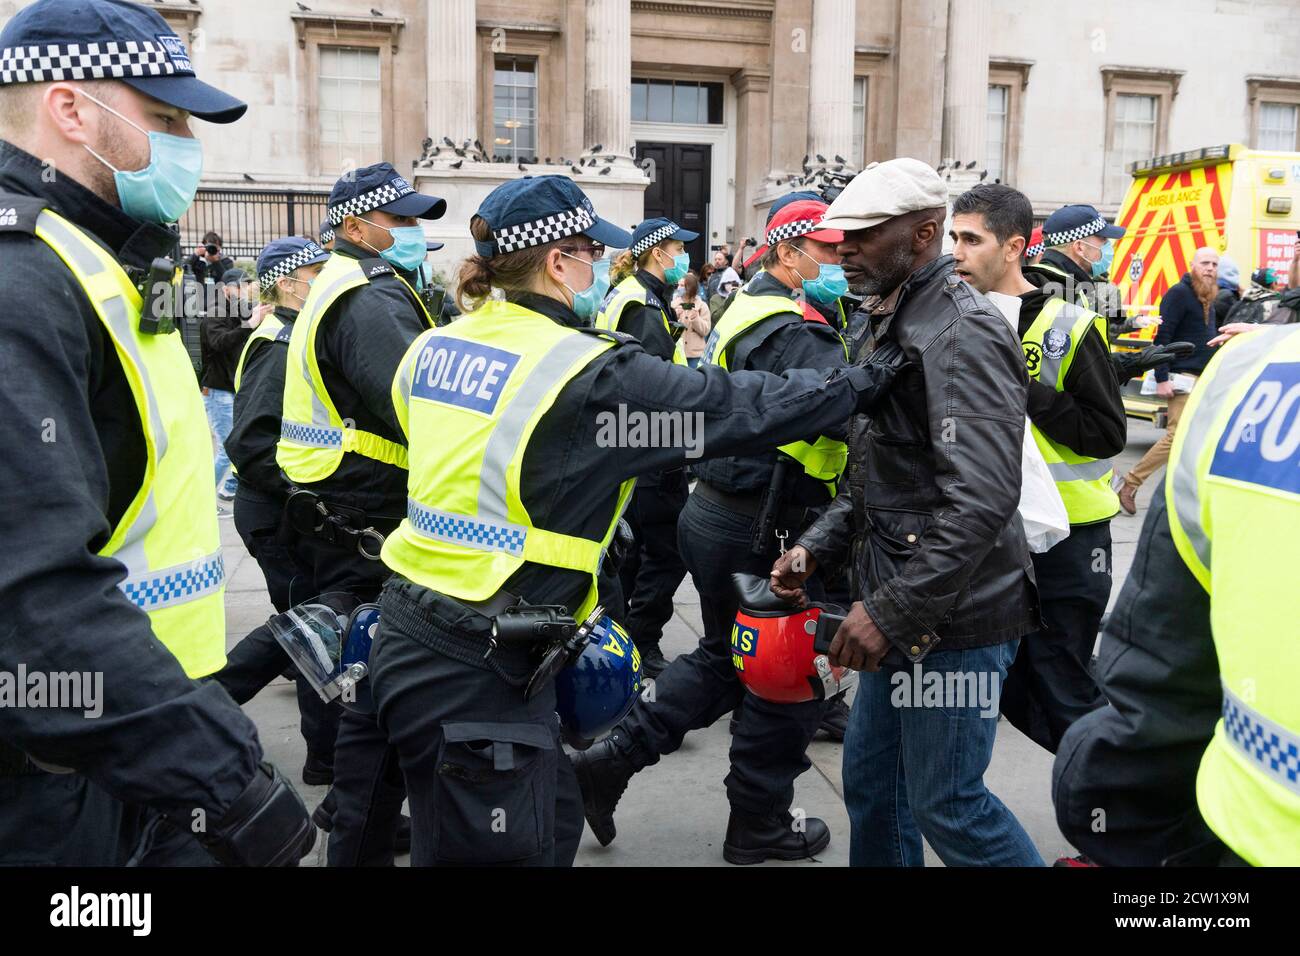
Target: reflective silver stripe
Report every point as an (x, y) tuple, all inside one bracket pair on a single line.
[(508, 431), (466, 530), (118, 313), (1224, 374), (1063, 322), (1084, 471), (155, 590), (1271, 748)]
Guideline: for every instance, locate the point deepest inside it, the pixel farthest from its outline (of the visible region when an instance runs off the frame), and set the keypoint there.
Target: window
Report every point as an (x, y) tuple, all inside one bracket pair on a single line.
[(999, 113), (1136, 118), (859, 154), (349, 108), (1278, 125), (676, 101), (514, 108)]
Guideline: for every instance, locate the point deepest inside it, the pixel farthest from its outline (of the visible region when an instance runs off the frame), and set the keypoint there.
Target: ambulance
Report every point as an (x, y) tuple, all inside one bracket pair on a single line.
[(1243, 202)]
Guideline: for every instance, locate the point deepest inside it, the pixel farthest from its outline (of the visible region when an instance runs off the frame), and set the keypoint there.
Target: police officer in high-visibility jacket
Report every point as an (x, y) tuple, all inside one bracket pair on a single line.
[(778, 322), (526, 427), (639, 304), (113, 570), (1077, 419), (285, 271), (342, 449), (1196, 757), (1077, 252)]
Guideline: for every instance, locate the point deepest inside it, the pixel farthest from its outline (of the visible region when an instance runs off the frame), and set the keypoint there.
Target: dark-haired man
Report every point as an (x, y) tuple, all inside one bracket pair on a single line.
[(1078, 424)]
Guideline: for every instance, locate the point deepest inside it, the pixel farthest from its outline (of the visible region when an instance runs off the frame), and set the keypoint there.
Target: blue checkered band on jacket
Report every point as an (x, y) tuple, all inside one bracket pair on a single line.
[(541, 231), (390, 191), (652, 240), (319, 436), (1272, 748), (462, 529), (158, 589), (52, 62), (285, 266), (791, 230), (1078, 232)]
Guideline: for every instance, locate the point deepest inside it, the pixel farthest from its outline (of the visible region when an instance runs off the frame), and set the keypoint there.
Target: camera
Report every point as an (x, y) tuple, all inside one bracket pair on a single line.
[(750, 242), (211, 249)]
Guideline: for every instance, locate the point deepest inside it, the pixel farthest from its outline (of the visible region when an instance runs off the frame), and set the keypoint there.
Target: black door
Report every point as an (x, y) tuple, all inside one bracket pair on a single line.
[(679, 189)]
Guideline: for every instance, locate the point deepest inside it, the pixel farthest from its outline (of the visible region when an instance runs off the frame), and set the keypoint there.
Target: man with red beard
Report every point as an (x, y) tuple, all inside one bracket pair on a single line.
[(1186, 315)]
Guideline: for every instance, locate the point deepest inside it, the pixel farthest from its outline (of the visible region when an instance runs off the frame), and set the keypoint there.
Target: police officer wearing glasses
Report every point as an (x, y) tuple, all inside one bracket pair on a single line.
[(515, 491), (113, 566)]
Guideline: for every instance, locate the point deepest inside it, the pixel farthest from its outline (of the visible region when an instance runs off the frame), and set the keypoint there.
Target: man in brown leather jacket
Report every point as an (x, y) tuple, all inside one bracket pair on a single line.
[(928, 521)]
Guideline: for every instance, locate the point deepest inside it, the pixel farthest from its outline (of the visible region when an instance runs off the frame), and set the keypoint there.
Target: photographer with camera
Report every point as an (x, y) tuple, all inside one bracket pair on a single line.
[(208, 261), (693, 314)]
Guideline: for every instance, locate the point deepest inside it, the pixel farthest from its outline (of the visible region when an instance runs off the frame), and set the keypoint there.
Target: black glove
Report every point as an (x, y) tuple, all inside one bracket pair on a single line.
[(875, 375), (1132, 364), (267, 825), (619, 546)]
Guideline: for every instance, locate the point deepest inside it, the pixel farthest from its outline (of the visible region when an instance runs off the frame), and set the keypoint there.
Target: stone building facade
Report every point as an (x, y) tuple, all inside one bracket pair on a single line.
[(706, 110)]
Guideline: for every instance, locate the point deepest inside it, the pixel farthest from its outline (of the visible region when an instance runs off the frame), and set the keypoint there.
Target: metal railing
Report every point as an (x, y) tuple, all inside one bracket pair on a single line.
[(247, 219)]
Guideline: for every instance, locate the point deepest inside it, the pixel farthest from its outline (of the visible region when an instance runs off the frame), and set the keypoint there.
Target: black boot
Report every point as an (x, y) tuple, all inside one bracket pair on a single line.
[(653, 662), (603, 772), (318, 772), (835, 719), (753, 839)]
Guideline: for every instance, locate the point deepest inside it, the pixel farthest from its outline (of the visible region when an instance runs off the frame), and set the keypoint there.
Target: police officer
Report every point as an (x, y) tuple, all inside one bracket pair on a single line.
[(736, 520), (645, 276), (326, 235), (1078, 251), (1078, 423), (342, 450), (516, 485), (285, 271), (106, 476), (1195, 757)]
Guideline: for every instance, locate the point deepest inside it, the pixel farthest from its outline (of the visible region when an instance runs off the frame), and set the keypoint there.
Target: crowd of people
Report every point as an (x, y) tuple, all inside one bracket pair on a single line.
[(471, 530)]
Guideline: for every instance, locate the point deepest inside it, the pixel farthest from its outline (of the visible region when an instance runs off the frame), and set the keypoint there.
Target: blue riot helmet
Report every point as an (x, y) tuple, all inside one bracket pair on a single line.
[(597, 690), (331, 650)]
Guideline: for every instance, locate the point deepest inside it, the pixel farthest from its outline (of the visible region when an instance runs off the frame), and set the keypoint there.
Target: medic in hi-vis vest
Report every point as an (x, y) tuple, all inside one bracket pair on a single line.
[(113, 570)]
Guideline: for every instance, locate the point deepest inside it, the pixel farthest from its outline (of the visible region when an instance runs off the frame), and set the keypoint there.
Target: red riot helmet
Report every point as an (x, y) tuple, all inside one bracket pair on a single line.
[(779, 650)]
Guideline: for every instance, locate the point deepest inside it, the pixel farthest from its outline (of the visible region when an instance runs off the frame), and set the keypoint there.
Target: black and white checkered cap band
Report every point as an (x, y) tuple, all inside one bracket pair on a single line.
[(1078, 232), (652, 240), (1035, 250), (326, 235), (791, 230), (390, 191), (286, 266), (52, 62), (541, 231)]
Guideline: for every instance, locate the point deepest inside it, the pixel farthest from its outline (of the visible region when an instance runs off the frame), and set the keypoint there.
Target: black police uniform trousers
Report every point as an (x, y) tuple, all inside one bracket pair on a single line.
[(1050, 685), (366, 800), (653, 569), (258, 658), (768, 747), (488, 781)]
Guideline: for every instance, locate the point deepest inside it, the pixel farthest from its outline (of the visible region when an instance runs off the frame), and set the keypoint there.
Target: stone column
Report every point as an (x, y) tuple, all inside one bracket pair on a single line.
[(608, 97), (830, 83), (452, 108), (966, 82), (918, 111)]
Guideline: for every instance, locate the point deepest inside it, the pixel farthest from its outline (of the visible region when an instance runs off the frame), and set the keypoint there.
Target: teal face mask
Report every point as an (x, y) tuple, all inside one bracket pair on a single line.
[(409, 247), (1102, 265), (829, 285), (675, 273), (164, 189), (587, 302)]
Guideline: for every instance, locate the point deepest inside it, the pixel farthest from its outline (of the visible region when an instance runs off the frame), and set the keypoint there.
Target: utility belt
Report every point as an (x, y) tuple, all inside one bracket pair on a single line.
[(308, 514), (527, 645)]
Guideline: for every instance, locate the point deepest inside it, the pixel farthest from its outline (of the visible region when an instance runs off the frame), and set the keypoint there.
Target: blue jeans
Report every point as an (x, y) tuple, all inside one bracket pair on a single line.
[(914, 763), (220, 406)]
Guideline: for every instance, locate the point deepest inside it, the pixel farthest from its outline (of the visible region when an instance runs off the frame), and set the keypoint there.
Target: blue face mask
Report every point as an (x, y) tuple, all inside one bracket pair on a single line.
[(829, 285), (409, 247), (681, 263), (165, 189), (1102, 265), (587, 302)]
